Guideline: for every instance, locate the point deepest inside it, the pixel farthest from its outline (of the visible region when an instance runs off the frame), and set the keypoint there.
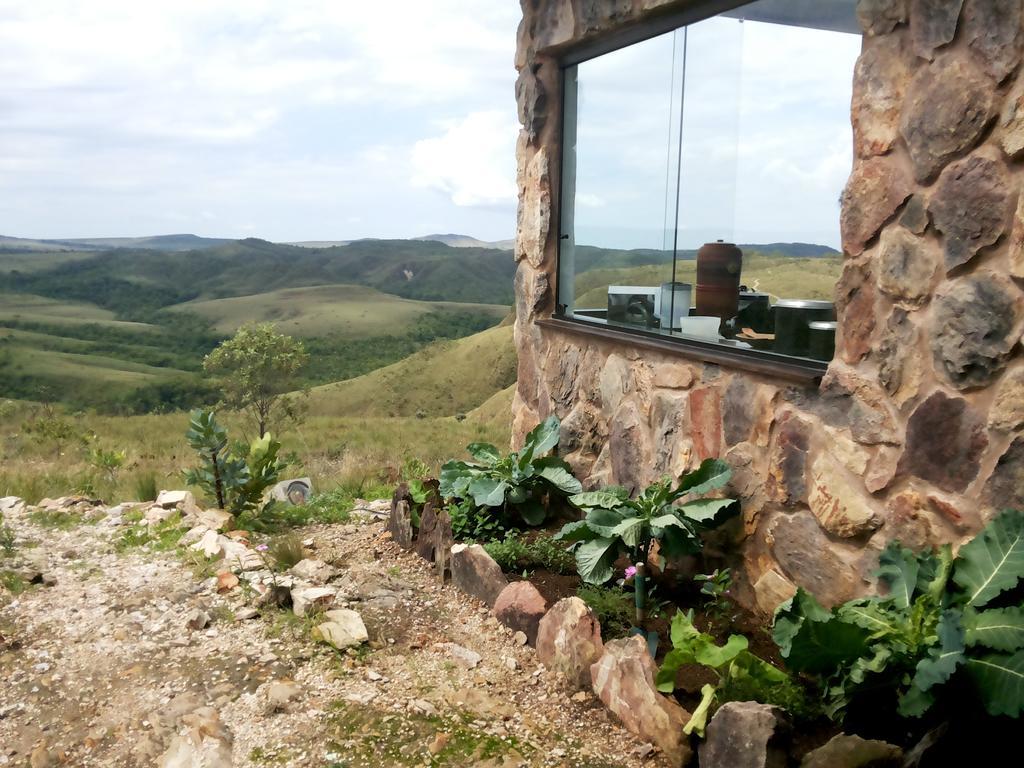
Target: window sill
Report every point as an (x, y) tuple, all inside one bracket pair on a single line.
[(764, 363)]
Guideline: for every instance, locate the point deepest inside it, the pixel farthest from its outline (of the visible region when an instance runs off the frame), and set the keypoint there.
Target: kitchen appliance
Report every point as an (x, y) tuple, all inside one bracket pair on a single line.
[(634, 305), (821, 343), (792, 323), (675, 299), (718, 279), (755, 311)]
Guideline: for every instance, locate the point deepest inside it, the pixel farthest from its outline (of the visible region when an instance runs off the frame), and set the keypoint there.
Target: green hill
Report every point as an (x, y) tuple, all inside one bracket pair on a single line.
[(350, 311), (443, 379)]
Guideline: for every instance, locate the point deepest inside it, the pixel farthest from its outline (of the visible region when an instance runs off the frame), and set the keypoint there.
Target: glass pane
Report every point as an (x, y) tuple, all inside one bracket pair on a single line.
[(732, 130)]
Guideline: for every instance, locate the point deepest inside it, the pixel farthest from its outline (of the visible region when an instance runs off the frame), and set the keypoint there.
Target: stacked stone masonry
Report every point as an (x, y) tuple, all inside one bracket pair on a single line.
[(915, 432)]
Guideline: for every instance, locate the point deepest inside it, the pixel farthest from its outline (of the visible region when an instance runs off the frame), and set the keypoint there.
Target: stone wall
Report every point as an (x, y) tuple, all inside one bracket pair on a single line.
[(915, 432)]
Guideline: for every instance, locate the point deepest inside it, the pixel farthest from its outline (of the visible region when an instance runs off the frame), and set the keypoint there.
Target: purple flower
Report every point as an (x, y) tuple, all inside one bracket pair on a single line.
[(631, 572), (264, 548)]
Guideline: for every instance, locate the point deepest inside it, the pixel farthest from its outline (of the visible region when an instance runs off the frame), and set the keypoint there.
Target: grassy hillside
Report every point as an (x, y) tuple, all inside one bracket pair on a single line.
[(805, 278), (445, 378), (350, 311), (28, 308)]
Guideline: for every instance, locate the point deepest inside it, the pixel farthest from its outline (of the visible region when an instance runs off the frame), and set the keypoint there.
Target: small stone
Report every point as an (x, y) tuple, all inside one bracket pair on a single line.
[(463, 656), (520, 638), (788, 459), (209, 545), (226, 581), (1011, 123), (876, 189), (281, 693), (971, 206), (948, 106), (580, 697), (197, 619), (945, 442), (510, 663), (744, 734), (706, 422), (246, 613), (933, 24), (845, 751), (439, 743), (906, 266), (809, 559), (1007, 411), (841, 508), (521, 607), (343, 629), (771, 590), (672, 376), (977, 322), (1005, 488), (312, 597), (313, 571), (855, 307)]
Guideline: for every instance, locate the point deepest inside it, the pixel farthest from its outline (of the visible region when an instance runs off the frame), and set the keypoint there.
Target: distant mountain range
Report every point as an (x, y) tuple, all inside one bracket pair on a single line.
[(187, 242)]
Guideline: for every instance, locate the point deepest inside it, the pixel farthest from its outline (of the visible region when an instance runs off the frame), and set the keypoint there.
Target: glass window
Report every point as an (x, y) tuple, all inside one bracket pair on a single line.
[(702, 172)]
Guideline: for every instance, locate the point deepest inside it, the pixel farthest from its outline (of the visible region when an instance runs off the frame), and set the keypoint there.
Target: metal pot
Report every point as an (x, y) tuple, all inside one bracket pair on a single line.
[(792, 324)]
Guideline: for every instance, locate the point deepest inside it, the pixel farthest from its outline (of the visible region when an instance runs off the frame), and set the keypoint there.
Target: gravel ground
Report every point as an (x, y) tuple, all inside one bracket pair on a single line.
[(103, 669)]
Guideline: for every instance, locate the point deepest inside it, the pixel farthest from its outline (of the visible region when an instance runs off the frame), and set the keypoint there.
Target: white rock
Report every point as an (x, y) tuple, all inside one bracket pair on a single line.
[(156, 515), (172, 499), (210, 545), (344, 628), (205, 743), (214, 519), (193, 535), (305, 598), (462, 656), (12, 505), (238, 556), (315, 571)]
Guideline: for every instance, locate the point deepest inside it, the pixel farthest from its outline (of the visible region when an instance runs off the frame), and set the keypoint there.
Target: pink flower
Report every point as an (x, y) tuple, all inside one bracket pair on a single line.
[(264, 548), (631, 572)]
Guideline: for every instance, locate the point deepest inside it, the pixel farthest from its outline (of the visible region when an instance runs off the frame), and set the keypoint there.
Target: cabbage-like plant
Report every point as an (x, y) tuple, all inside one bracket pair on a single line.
[(524, 480), (943, 618), (614, 524)]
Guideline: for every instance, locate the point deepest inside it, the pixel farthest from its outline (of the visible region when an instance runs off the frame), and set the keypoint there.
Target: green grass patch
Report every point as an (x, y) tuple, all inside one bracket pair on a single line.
[(162, 537), (13, 583), (515, 554), (61, 520), (615, 609)]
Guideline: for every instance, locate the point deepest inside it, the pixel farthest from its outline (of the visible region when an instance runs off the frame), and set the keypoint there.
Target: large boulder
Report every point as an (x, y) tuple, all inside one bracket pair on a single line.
[(521, 607), (623, 678), (475, 572), (745, 734), (569, 640), (845, 751)]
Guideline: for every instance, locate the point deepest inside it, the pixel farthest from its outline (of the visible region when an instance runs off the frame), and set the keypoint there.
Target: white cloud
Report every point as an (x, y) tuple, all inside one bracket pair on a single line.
[(473, 161)]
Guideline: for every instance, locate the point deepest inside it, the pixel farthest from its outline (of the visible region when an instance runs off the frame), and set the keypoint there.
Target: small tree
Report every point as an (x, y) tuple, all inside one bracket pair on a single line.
[(256, 368)]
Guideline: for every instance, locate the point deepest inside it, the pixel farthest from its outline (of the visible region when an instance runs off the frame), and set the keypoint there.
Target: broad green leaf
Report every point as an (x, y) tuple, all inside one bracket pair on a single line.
[(993, 561), (557, 472), (606, 499), (710, 512), (575, 531), (933, 574), (1000, 682), (711, 655), (603, 521), (594, 560), (897, 569), (488, 491), (664, 521), (915, 702), (878, 617), (678, 540), (630, 531), (812, 640), (1001, 629), (674, 659), (942, 660), (484, 452), (539, 441), (455, 478), (532, 512), (710, 475), (699, 719)]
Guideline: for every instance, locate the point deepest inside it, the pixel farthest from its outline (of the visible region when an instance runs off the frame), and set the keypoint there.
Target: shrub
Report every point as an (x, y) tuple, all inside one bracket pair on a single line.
[(944, 620), (516, 554), (146, 486), (523, 482), (237, 483), (286, 551), (613, 606)]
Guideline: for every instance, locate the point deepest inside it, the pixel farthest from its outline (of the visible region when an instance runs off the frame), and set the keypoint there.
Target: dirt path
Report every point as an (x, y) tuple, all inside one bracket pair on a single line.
[(102, 668)]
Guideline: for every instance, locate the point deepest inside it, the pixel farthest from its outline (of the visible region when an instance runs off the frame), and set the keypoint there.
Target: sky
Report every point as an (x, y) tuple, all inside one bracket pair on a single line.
[(297, 120), (766, 137)]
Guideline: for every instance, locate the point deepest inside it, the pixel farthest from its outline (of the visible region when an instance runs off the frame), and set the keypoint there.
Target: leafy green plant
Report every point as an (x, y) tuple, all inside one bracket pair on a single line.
[(6, 538), (523, 481), (237, 483), (613, 606), (514, 554), (615, 524), (107, 462), (286, 551), (473, 523), (741, 675), (715, 587), (145, 487), (936, 623)]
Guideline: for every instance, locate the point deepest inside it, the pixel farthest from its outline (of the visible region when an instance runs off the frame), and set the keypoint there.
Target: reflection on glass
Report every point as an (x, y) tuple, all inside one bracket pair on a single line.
[(735, 129)]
